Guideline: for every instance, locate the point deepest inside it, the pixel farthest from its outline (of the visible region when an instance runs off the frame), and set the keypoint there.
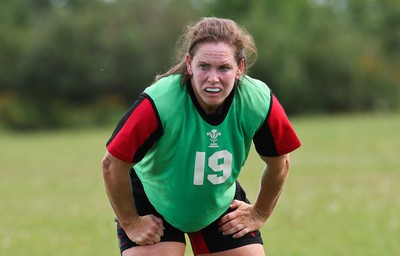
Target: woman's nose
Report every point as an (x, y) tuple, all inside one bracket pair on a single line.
[(213, 77)]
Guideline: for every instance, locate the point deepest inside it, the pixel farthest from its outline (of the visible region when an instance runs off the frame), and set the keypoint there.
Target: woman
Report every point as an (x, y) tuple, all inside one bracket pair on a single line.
[(172, 162)]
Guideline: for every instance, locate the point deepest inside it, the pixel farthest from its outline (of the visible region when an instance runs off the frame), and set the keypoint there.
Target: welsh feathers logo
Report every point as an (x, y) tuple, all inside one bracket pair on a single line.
[(214, 134)]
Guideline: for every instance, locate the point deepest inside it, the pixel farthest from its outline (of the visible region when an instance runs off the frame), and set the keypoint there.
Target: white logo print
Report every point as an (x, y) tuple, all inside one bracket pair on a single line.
[(213, 138)]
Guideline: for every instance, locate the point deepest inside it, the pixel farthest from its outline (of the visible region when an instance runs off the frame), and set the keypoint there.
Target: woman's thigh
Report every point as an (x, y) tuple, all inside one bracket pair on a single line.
[(162, 248), (210, 241), (252, 249)]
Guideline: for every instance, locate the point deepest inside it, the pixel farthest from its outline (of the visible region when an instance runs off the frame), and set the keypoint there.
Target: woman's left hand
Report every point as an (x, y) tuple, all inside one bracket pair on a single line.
[(242, 220)]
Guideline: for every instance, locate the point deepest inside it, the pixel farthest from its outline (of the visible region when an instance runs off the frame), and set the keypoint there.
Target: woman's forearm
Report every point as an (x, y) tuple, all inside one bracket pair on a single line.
[(118, 188), (272, 182)]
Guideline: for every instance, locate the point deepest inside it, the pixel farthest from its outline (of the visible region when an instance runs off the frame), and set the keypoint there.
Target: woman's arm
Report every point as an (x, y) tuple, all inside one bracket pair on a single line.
[(272, 182), (246, 218), (140, 229)]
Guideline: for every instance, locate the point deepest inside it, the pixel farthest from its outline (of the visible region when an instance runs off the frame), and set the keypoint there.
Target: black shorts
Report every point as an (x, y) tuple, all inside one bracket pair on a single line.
[(207, 240)]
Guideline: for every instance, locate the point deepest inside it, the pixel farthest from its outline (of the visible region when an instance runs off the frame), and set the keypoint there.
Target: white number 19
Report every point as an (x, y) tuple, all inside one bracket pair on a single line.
[(223, 170)]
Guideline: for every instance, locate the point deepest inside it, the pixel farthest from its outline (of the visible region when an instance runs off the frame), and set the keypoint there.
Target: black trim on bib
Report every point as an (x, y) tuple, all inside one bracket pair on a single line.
[(220, 114)]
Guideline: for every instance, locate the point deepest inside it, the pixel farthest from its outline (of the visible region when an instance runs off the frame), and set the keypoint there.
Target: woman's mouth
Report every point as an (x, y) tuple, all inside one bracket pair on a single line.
[(213, 89)]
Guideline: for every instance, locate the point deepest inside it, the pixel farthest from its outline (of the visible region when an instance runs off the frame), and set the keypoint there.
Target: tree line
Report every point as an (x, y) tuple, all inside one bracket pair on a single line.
[(70, 63)]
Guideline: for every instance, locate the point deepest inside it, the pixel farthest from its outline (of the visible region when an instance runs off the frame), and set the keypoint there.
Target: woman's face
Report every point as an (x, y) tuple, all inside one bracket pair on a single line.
[(213, 72)]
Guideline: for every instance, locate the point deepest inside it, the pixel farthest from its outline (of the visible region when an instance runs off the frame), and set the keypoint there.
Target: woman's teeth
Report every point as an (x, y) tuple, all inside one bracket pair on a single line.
[(213, 89)]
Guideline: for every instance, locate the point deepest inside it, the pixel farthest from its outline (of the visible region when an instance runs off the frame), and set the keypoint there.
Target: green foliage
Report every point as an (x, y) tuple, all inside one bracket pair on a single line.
[(318, 56), (326, 56), (24, 114)]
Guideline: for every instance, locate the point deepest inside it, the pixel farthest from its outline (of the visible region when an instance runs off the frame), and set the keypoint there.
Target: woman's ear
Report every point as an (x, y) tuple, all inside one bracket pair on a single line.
[(189, 65), (240, 71)]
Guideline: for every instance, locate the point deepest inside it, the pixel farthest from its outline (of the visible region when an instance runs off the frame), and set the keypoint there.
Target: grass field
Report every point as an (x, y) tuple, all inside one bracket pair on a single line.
[(341, 198)]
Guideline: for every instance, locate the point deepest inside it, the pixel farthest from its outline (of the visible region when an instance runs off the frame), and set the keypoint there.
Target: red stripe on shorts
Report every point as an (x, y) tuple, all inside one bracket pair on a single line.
[(198, 243)]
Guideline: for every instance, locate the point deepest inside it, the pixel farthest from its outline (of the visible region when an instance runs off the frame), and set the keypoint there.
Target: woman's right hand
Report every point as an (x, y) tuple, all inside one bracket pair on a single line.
[(145, 230)]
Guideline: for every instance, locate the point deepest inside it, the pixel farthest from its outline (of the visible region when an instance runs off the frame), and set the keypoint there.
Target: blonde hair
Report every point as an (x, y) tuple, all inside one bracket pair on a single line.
[(211, 29)]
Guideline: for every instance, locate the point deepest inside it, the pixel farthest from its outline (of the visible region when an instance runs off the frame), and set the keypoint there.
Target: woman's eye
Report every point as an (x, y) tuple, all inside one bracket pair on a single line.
[(225, 68), (204, 66)]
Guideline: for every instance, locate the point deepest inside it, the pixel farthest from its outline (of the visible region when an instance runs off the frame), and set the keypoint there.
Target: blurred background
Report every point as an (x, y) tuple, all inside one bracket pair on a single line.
[(71, 63)]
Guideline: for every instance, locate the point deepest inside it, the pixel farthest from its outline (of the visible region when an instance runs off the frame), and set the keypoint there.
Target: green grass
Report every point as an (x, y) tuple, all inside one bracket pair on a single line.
[(341, 197)]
